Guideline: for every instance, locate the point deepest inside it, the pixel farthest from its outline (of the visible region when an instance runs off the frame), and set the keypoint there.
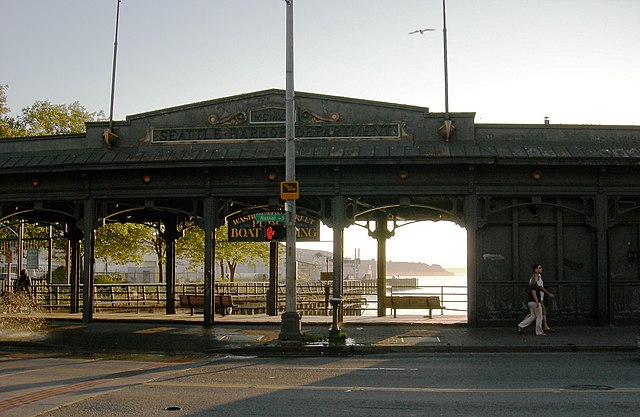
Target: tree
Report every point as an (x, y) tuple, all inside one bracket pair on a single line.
[(227, 254), (121, 243), (155, 242), (129, 242), (191, 246), (44, 118), (7, 124), (233, 253)]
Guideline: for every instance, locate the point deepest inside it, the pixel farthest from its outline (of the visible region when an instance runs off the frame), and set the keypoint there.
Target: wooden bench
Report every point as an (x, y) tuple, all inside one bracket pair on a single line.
[(223, 303), (422, 302)]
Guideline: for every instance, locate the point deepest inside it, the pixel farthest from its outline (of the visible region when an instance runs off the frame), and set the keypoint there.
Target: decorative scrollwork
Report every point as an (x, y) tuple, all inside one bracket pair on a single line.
[(109, 138), (311, 117), (146, 139), (234, 119), (404, 134), (447, 130)]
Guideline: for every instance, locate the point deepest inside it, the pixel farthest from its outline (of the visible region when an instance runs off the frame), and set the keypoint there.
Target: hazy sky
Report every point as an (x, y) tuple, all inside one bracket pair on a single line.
[(510, 61)]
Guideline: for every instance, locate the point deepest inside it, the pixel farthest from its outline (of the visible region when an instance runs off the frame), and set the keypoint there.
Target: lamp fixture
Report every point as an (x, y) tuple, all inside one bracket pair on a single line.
[(271, 174)]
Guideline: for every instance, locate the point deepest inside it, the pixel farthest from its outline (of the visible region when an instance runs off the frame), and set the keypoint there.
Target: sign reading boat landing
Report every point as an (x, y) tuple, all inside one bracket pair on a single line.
[(251, 227), (271, 131)]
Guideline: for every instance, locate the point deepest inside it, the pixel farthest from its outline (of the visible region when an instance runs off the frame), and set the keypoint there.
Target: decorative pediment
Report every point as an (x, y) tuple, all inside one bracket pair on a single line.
[(273, 115), (261, 116), (268, 123)]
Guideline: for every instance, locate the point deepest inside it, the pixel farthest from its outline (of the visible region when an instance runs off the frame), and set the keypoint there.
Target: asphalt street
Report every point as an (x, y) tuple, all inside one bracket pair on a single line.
[(407, 384)]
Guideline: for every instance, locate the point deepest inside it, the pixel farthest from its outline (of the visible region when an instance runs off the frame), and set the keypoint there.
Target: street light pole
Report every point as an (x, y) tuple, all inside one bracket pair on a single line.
[(290, 328)]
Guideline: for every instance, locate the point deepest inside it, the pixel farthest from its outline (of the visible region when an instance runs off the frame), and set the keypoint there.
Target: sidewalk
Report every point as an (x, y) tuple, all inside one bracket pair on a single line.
[(258, 335)]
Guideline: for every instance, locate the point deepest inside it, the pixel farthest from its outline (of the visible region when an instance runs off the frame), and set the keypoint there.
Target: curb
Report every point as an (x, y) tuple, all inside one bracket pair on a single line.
[(293, 349)]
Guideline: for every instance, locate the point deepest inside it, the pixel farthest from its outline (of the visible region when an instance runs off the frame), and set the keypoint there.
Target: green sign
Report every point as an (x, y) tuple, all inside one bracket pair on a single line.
[(271, 217), (253, 227), (265, 131)]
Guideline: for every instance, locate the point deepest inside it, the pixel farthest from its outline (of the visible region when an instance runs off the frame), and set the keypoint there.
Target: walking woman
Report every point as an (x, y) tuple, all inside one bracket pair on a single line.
[(535, 307)]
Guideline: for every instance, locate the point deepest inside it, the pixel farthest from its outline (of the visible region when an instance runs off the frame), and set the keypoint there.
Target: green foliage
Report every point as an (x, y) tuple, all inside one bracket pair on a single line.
[(122, 243), (234, 253), (59, 275), (191, 246), (6, 123), (107, 279), (9, 230), (44, 118), (339, 338), (312, 338), (227, 254)]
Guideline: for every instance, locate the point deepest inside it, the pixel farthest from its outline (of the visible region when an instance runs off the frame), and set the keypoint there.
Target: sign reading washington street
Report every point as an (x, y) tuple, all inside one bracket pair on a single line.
[(251, 227), (273, 131)]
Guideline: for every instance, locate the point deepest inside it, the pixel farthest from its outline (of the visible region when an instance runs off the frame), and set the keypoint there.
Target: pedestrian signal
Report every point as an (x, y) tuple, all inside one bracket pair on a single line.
[(275, 232)]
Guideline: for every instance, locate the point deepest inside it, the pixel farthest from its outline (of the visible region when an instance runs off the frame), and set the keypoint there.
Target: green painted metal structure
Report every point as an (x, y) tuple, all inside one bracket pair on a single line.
[(566, 196)]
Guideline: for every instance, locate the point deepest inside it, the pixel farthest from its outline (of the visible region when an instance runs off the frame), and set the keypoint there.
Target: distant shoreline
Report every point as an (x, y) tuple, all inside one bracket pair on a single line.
[(445, 273)]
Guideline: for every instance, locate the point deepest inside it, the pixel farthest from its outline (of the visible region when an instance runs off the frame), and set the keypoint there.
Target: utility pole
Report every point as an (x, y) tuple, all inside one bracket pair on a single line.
[(290, 328)]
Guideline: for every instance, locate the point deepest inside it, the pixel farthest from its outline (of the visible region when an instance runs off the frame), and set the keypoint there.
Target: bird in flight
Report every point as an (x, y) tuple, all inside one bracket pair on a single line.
[(421, 31)]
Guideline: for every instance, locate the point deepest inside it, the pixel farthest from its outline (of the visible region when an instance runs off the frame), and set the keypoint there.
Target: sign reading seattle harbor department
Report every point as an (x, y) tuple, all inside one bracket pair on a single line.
[(271, 131)]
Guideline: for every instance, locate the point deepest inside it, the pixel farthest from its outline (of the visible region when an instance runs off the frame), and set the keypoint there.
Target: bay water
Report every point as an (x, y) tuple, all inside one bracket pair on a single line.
[(452, 290)]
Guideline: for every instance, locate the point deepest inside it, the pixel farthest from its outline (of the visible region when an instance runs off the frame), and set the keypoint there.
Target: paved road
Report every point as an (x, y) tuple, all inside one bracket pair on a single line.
[(33, 383), (478, 384)]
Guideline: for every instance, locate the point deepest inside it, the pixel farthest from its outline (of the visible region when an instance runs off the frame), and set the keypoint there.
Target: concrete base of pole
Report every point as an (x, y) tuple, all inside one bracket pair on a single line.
[(291, 326)]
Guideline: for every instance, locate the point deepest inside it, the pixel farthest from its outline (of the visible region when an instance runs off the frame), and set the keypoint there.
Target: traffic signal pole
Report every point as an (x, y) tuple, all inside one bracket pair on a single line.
[(290, 328)]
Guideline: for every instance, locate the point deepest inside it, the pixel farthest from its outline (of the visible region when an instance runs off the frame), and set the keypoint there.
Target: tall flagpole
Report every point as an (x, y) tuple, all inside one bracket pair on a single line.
[(447, 127), (108, 135), (290, 328), (446, 68)]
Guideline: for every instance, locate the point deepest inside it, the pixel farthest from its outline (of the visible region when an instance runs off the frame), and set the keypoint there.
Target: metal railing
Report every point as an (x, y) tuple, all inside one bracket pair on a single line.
[(359, 298), (452, 297)]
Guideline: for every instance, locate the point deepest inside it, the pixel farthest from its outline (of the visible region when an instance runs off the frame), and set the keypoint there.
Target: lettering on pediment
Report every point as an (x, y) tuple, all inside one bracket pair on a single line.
[(277, 132), (268, 124), (268, 115)]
